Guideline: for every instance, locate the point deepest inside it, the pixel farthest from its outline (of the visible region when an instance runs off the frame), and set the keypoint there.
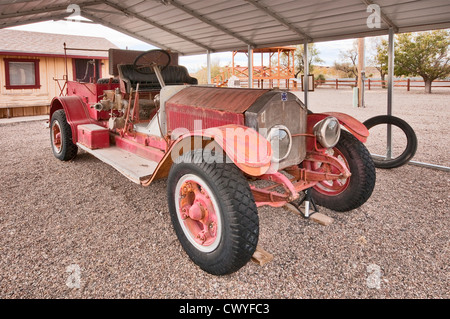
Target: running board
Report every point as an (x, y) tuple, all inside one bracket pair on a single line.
[(130, 165)]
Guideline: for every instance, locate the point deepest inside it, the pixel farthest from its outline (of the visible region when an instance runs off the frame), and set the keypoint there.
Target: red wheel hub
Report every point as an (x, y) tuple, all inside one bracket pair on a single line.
[(56, 134), (198, 213), (329, 187)]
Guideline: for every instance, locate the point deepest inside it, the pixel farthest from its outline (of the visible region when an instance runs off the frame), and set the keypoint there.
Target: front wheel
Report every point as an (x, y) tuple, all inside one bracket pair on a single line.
[(213, 213), (350, 193)]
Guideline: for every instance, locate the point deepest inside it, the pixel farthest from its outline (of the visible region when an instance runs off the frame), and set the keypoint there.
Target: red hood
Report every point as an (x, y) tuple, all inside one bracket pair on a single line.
[(235, 100)]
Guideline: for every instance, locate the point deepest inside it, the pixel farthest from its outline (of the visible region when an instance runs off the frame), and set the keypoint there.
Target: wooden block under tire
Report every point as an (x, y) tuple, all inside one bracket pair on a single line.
[(293, 209), (261, 257), (321, 219)]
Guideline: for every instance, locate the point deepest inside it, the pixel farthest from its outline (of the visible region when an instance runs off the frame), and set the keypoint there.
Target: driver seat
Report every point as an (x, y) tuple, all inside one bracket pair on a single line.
[(172, 75)]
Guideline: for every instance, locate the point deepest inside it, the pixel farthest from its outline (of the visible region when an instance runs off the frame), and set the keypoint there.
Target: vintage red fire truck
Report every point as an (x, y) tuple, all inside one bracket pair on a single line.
[(224, 151)]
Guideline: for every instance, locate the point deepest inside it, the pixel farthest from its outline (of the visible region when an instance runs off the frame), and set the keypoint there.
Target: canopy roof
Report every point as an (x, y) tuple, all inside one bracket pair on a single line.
[(197, 26)]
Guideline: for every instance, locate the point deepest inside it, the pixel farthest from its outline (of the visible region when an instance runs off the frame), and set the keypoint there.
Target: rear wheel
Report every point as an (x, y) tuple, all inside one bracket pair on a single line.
[(213, 213), (61, 137), (349, 193)]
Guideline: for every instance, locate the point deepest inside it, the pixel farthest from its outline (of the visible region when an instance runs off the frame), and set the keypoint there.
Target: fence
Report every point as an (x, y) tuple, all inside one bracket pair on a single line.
[(371, 84)]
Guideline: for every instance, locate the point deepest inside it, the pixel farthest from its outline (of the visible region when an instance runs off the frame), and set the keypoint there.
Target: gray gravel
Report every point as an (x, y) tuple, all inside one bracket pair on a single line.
[(84, 214)]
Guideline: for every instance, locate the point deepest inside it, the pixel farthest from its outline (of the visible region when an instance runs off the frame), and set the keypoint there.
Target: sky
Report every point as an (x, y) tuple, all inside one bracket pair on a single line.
[(329, 51)]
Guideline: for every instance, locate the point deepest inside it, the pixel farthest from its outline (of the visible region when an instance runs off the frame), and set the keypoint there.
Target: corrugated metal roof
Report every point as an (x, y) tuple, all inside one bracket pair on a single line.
[(15, 41), (194, 26)]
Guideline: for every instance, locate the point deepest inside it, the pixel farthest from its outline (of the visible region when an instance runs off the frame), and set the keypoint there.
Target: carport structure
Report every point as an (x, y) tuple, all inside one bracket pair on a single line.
[(205, 26)]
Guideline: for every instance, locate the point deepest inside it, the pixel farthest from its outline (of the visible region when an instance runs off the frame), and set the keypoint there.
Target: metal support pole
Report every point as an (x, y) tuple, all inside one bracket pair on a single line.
[(361, 71), (250, 66), (421, 164), (306, 73), (208, 66), (391, 57)]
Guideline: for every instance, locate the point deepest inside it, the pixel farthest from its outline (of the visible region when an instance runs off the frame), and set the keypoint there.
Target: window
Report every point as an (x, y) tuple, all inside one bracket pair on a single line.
[(86, 70), (22, 73)]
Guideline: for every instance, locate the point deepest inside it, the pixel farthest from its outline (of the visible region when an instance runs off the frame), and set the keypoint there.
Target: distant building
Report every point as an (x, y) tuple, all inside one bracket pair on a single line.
[(32, 68)]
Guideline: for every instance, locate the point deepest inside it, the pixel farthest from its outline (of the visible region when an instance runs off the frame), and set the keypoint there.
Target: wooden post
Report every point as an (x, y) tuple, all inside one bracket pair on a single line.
[(408, 85), (368, 84), (337, 84)]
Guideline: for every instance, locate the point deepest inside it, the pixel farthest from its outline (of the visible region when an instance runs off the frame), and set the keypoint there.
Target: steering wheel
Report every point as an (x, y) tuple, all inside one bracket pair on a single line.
[(145, 62)]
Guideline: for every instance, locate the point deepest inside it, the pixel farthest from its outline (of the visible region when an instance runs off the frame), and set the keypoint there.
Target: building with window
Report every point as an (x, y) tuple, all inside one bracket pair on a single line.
[(33, 68)]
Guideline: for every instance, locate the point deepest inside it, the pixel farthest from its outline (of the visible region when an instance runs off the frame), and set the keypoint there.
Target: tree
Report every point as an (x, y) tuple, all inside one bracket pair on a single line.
[(424, 54), (216, 70), (313, 58), (350, 62), (380, 59)]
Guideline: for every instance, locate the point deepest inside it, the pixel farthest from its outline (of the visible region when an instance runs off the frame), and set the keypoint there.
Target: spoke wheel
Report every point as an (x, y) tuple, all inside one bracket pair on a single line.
[(330, 187), (350, 193)]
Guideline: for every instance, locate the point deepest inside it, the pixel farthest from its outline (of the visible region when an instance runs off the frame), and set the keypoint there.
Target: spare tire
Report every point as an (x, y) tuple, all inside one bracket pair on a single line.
[(411, 144)]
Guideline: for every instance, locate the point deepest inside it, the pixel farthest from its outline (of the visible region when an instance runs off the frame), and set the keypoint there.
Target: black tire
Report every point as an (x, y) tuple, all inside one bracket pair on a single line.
[(237, 210), (359, 186), (64, 149), (411, 144)]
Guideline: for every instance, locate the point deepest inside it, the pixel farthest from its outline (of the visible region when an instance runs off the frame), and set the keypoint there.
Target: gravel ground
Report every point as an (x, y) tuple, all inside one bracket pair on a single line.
[(60, 222)]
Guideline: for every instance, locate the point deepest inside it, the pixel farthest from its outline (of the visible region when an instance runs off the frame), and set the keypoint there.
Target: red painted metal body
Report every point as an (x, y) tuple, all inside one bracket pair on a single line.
[(139, 149), (221, 112), (91, 93), (213, 106), (185, 116), (303, 178), (237, 141), (240, 143), (76, 112), (93, 136), (354, 126), (221, 99)]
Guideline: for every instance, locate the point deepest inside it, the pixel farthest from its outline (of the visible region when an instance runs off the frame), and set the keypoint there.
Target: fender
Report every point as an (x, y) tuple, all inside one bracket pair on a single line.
[(354, 126), (76, 112), (245, 147)]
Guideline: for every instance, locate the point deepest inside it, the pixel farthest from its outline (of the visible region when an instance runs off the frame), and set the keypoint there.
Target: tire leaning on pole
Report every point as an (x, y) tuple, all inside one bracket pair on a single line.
[(411, 144)]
